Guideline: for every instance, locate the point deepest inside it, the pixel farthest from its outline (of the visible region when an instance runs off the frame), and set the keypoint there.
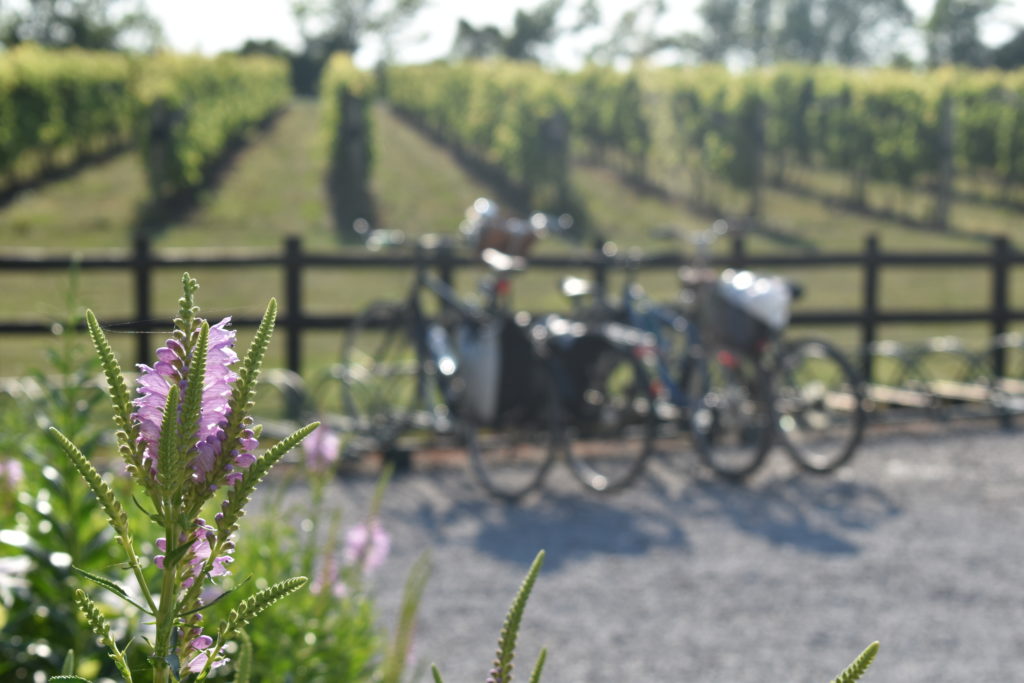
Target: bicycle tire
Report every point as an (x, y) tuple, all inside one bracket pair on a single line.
[(732, 425), (819, 403), (382, 382), (512, 457), (611, 431)]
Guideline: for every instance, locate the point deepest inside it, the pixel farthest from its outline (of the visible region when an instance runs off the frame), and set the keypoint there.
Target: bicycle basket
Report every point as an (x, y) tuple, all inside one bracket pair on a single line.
[(486, 228), (744, 310)]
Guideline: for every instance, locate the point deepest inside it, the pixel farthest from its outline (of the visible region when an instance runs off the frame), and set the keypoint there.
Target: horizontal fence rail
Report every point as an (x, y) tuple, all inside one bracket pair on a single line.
[(292, 259)]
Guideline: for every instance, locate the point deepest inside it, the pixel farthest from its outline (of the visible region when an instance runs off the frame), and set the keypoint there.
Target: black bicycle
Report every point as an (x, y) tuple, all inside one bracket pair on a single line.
[(517, 392)]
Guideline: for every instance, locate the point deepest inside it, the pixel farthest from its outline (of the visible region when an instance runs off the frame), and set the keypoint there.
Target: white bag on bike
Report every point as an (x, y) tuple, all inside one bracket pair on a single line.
[(764, 298), (479, 350)]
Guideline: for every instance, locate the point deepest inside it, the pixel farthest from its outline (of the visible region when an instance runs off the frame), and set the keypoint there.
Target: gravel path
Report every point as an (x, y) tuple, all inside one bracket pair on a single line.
[(917, 543)]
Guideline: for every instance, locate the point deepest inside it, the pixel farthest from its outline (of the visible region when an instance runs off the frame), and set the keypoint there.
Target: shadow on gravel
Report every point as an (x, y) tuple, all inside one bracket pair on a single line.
[(569, 528), (818, 516)]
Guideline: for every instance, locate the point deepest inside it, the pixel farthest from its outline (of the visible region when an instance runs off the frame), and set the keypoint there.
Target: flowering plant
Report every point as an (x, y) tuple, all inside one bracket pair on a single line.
[(187, 441)]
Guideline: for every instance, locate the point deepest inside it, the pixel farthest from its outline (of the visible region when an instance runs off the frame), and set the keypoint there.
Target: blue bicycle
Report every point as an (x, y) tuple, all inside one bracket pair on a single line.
[(728, 378)]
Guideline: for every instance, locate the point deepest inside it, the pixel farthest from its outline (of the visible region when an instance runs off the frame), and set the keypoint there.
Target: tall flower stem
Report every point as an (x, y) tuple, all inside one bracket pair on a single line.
[(166, 612)]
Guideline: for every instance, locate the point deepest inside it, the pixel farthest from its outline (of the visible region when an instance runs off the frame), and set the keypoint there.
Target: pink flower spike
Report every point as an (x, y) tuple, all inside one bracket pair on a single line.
[(202, 642), (322, 448), (197, 663), (367, 545)]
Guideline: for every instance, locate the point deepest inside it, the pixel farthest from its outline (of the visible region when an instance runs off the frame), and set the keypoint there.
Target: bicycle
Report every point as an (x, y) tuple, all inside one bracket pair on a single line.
[(735, 384), (516, 392)]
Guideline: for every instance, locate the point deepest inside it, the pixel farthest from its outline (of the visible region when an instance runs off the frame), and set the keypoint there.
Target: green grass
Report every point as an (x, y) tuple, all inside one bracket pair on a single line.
[(274, 188)]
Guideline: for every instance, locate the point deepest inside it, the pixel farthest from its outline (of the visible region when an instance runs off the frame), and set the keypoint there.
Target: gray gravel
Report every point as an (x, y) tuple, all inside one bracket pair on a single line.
[(917, 543)]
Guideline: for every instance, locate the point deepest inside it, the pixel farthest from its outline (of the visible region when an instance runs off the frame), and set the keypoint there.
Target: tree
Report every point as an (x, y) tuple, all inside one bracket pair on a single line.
[(953, 36), (329, 26), (764, 31), (636, 35), (1010, 55), (91, 24), (530, 32)]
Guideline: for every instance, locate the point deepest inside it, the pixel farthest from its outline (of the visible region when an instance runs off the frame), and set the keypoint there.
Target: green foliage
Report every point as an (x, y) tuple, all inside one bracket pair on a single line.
[(57, 107), (194, 108), (510, 630), (501, 669), (345, 95), (47, 522), (191, 548), (874, 124), (858, 666), (511, 117), (331, 630)]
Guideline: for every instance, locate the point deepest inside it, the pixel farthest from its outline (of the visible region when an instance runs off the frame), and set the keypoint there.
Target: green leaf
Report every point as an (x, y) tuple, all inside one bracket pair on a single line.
[(253, 606), (109, 585), (95, 620), (115, 513), (238, 496), (172, 556), (509, 632), (187, 308), (63, 677), (215, 600), (859, 665), (243, 662), (539, 666), (192, 401), (398, 653), (115, 378), (69, 663), (169, 456), (436, 674), (152, 515), (243, 392)]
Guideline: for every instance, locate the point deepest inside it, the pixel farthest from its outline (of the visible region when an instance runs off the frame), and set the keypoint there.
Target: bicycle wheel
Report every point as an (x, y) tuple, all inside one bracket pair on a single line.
[(511, 457), (381, 381), (732, 425), (612, 424), (819, 400)]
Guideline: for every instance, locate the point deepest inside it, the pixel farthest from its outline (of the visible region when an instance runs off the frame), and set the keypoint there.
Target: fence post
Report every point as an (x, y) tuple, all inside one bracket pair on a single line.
[(143, 314), (293, 302), (603, 251), (1000, 299), (869, 320), (445, 264), (738, 258)]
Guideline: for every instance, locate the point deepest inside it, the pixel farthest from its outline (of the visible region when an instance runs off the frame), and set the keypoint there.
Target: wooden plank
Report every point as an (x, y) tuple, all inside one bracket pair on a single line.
[(908, 398)]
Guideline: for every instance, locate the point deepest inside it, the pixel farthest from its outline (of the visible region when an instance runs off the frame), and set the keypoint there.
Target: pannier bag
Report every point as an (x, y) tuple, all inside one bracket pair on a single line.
[(503, 376), (479, 347), (746, 309)]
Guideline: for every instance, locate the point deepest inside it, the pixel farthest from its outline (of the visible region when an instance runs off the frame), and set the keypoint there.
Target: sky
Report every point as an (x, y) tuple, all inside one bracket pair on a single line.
[(212, 26)]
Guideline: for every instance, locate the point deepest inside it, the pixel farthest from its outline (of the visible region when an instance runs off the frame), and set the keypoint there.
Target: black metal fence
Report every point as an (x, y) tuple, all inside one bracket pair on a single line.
[(292, 259)]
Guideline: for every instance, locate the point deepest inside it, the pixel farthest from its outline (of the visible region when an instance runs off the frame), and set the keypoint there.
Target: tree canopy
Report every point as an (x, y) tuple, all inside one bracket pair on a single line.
[(91, 24)]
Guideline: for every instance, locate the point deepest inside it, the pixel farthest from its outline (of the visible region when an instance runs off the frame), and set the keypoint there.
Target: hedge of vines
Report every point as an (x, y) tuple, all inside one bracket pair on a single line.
[(885, 125), (345, 95), (59, 107), (193, 108), (510, 117)]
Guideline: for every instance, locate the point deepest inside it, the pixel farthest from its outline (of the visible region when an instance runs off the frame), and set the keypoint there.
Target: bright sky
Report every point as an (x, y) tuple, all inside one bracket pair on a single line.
[(211, 26)]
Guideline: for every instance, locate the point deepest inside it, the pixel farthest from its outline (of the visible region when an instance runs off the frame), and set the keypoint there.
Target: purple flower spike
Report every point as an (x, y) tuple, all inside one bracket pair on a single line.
[(322, 448), (172, 369), (11, 474), (367, 545)]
